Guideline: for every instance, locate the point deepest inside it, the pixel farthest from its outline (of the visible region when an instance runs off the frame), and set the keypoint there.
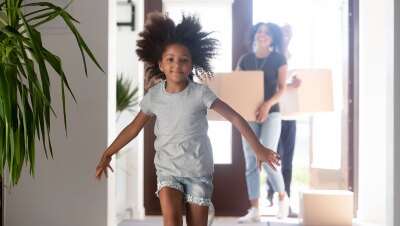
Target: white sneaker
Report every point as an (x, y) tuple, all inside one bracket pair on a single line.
[(283, 208), (252, 216), (211, 214)]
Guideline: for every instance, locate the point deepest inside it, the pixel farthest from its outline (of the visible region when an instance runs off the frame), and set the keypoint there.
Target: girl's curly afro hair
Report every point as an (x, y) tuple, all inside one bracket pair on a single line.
[(161, 31)]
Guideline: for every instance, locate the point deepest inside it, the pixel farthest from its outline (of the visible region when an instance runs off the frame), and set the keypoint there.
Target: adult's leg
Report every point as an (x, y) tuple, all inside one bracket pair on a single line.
[(252, 173), (269, 134), (287, 142), (196, 215), (171, 201), (270, 192), (281, 152), (252, 179)]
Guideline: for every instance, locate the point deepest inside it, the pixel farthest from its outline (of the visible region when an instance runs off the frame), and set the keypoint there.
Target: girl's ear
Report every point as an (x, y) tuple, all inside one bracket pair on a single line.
[(160, 66)]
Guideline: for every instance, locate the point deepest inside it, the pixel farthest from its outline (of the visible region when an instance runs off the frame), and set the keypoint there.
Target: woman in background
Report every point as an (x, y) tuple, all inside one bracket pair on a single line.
[(266, 45)]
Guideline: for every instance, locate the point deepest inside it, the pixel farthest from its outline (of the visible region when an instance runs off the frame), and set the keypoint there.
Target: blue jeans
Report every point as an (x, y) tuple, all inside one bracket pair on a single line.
[(286, 145), (268, 132)]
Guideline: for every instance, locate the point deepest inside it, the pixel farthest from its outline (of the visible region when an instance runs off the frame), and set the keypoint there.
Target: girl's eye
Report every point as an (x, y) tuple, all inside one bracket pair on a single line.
[(170, 60), (184, 60)]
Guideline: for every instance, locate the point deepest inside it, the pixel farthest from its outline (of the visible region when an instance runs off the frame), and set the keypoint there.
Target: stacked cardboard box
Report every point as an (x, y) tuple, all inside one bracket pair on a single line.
[(326, 208)]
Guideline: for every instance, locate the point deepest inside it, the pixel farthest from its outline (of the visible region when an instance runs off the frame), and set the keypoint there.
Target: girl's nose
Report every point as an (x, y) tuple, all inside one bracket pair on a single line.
[(176, 64)]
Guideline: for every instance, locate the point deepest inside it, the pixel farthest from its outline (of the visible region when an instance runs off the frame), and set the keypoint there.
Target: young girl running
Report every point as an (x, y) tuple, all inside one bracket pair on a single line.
[(183, 160)]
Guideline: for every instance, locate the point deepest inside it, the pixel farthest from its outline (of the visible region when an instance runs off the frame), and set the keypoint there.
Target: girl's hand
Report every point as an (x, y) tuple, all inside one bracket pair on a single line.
[(262, 113), (102, 167), (268, 156)]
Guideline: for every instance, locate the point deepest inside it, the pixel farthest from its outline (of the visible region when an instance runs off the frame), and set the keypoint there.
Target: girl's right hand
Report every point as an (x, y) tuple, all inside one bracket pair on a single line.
[(102, 167)]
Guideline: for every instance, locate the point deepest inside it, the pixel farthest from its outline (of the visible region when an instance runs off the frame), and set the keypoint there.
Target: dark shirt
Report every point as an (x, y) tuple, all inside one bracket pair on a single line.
[(270, 65)]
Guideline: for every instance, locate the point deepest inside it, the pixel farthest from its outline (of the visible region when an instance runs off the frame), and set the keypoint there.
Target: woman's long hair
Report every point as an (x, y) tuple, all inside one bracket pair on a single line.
[(275, 32)]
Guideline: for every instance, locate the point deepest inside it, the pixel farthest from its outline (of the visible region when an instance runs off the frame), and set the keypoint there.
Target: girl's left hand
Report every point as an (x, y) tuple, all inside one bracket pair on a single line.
[(102, 167), (268, 156), (262, 113)]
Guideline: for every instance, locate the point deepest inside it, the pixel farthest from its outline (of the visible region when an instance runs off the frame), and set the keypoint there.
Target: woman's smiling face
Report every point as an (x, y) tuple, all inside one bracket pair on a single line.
[(262, 38)]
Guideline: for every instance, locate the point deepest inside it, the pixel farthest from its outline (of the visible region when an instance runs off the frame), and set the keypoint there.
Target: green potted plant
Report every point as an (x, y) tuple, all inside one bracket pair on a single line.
[(127, 98), (25, 99)]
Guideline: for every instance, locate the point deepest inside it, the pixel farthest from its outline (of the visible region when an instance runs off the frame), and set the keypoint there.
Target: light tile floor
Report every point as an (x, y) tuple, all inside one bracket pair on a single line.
[(218, 221), (268, 218)]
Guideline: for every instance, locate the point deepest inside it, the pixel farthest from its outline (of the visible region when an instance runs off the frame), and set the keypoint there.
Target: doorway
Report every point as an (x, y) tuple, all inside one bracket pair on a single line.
[(320, 40)]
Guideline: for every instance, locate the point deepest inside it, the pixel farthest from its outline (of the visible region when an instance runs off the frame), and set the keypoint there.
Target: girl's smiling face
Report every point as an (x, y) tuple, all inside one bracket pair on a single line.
[(262, 38), (176, 63)]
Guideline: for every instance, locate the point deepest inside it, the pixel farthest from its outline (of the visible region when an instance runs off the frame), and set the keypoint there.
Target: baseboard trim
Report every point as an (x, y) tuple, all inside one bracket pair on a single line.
[(359, 222)]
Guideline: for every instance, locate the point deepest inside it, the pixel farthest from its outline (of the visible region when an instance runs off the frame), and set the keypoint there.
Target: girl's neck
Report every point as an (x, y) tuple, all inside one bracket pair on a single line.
[(175, 87), (262, 52)]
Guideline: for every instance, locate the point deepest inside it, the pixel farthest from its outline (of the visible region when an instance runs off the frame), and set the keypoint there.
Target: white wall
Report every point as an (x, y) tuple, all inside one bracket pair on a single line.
[(215, 16), (129, 170), (127, 60), (376, 112), (394, 158), (63, 192)]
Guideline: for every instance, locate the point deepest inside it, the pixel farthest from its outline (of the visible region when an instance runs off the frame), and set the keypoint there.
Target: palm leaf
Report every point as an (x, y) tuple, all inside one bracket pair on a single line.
[(126, 98), (25, 97)]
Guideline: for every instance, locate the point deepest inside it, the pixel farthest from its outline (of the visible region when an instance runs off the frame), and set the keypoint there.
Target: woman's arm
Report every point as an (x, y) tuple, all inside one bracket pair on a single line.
[(123, 138), (263, 154), (261, 113)]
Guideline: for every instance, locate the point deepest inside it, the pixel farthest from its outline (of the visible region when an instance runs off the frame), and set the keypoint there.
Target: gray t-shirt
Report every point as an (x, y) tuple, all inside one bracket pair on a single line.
[(182, 146)]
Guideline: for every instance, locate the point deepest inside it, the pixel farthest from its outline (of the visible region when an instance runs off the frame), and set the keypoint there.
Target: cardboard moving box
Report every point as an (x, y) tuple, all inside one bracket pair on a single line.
[(326, 208), (242, 90), (314, 95)]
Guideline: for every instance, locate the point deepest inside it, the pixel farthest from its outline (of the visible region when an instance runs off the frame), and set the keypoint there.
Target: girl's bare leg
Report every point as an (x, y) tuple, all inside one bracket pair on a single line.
[(196, 215), (171, 201)]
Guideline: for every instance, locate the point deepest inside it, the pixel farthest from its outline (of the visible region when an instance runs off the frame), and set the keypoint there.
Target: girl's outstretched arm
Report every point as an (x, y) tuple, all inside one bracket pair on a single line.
[(263, 154), (123, 138)]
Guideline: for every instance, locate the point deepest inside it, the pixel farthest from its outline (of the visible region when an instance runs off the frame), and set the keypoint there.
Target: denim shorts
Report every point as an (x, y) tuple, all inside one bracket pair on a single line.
[(197, 190)]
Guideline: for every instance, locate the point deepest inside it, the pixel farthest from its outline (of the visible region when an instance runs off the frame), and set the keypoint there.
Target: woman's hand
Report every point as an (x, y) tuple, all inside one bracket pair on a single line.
[(262, 113), (102, 167), (268, 156), (294, 83)]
